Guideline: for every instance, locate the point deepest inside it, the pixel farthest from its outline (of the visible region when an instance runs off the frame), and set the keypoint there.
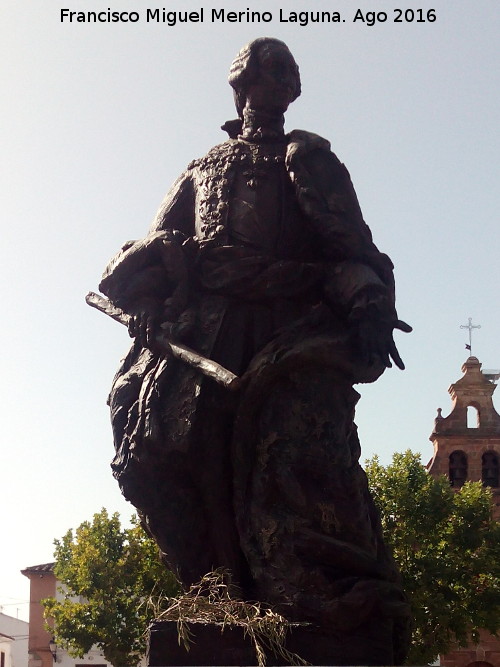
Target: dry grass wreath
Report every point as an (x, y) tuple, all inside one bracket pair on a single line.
[(214, 600)]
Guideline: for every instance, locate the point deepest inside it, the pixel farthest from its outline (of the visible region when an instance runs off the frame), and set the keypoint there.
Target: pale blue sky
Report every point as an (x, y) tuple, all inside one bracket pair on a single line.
[(97, 122)]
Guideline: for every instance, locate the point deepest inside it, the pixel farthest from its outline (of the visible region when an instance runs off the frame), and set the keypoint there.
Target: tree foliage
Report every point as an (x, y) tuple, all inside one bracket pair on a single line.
[(111, 577), (448, 549)]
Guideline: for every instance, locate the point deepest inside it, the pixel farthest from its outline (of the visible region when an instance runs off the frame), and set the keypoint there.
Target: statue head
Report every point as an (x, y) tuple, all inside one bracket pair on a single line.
[(264, 74)]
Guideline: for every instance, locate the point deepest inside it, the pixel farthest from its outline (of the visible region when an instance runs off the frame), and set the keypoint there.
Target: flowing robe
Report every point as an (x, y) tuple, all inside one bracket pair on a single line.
[(277, 257)]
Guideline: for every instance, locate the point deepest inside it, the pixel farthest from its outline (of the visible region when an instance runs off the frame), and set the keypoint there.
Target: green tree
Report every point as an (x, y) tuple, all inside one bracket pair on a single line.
[(111, 576), (448, 549)]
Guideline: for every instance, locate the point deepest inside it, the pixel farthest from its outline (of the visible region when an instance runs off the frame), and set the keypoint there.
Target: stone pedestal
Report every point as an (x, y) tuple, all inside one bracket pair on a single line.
[(210, 646)]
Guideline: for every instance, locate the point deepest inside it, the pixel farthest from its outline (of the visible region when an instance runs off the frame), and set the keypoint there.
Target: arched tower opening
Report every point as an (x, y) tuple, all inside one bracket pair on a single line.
[(473, 417), (458, 468), (489, 469)]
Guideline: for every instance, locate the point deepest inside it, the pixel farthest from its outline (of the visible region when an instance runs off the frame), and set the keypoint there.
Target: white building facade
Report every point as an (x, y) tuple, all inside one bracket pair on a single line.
[(13, 641)]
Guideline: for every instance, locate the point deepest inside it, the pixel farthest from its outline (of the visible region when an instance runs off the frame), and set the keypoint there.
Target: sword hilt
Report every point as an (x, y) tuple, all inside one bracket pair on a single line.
[(206, 366)]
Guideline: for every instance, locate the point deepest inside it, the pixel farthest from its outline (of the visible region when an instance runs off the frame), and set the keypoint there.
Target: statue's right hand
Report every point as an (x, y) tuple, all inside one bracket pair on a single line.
[(144, 327)]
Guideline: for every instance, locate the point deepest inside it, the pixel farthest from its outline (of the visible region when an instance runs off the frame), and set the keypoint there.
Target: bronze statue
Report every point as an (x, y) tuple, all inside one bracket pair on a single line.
[(256, 302)]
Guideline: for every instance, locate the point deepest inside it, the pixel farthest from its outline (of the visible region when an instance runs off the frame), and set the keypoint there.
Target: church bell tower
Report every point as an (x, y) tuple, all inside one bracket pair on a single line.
[(467, 441), (467, 448)]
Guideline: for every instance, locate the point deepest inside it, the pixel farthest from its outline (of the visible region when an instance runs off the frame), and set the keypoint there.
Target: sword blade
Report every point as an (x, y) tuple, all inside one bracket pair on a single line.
[(189, 356)]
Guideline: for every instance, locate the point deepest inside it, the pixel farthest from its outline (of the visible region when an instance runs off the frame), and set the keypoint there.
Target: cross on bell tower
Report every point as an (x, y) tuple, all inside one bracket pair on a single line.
[(470, 326)]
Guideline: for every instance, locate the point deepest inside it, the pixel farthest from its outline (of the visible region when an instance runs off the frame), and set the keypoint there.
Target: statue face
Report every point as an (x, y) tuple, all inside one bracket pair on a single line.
[(273, 88)]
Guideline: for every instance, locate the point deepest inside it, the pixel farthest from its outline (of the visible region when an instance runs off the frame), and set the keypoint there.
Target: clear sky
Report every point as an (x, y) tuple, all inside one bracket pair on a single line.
[(97, 122)]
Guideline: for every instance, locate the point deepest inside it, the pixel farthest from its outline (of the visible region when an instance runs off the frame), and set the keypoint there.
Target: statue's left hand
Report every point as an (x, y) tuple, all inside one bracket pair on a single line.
[(375, 341)]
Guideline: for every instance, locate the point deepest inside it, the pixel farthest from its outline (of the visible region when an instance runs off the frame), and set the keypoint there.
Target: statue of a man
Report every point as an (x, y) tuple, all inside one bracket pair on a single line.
[(259, 259)]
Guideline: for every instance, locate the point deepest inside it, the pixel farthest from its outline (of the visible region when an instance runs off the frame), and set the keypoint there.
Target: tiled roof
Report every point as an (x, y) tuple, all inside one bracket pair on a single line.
[(38, 569)]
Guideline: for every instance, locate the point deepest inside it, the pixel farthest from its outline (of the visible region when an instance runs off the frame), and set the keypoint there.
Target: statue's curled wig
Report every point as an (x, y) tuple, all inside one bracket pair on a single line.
[(244, 69)]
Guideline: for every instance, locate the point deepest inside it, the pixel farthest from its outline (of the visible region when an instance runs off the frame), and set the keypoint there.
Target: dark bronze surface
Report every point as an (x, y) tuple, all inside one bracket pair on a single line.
[(259, 259)]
